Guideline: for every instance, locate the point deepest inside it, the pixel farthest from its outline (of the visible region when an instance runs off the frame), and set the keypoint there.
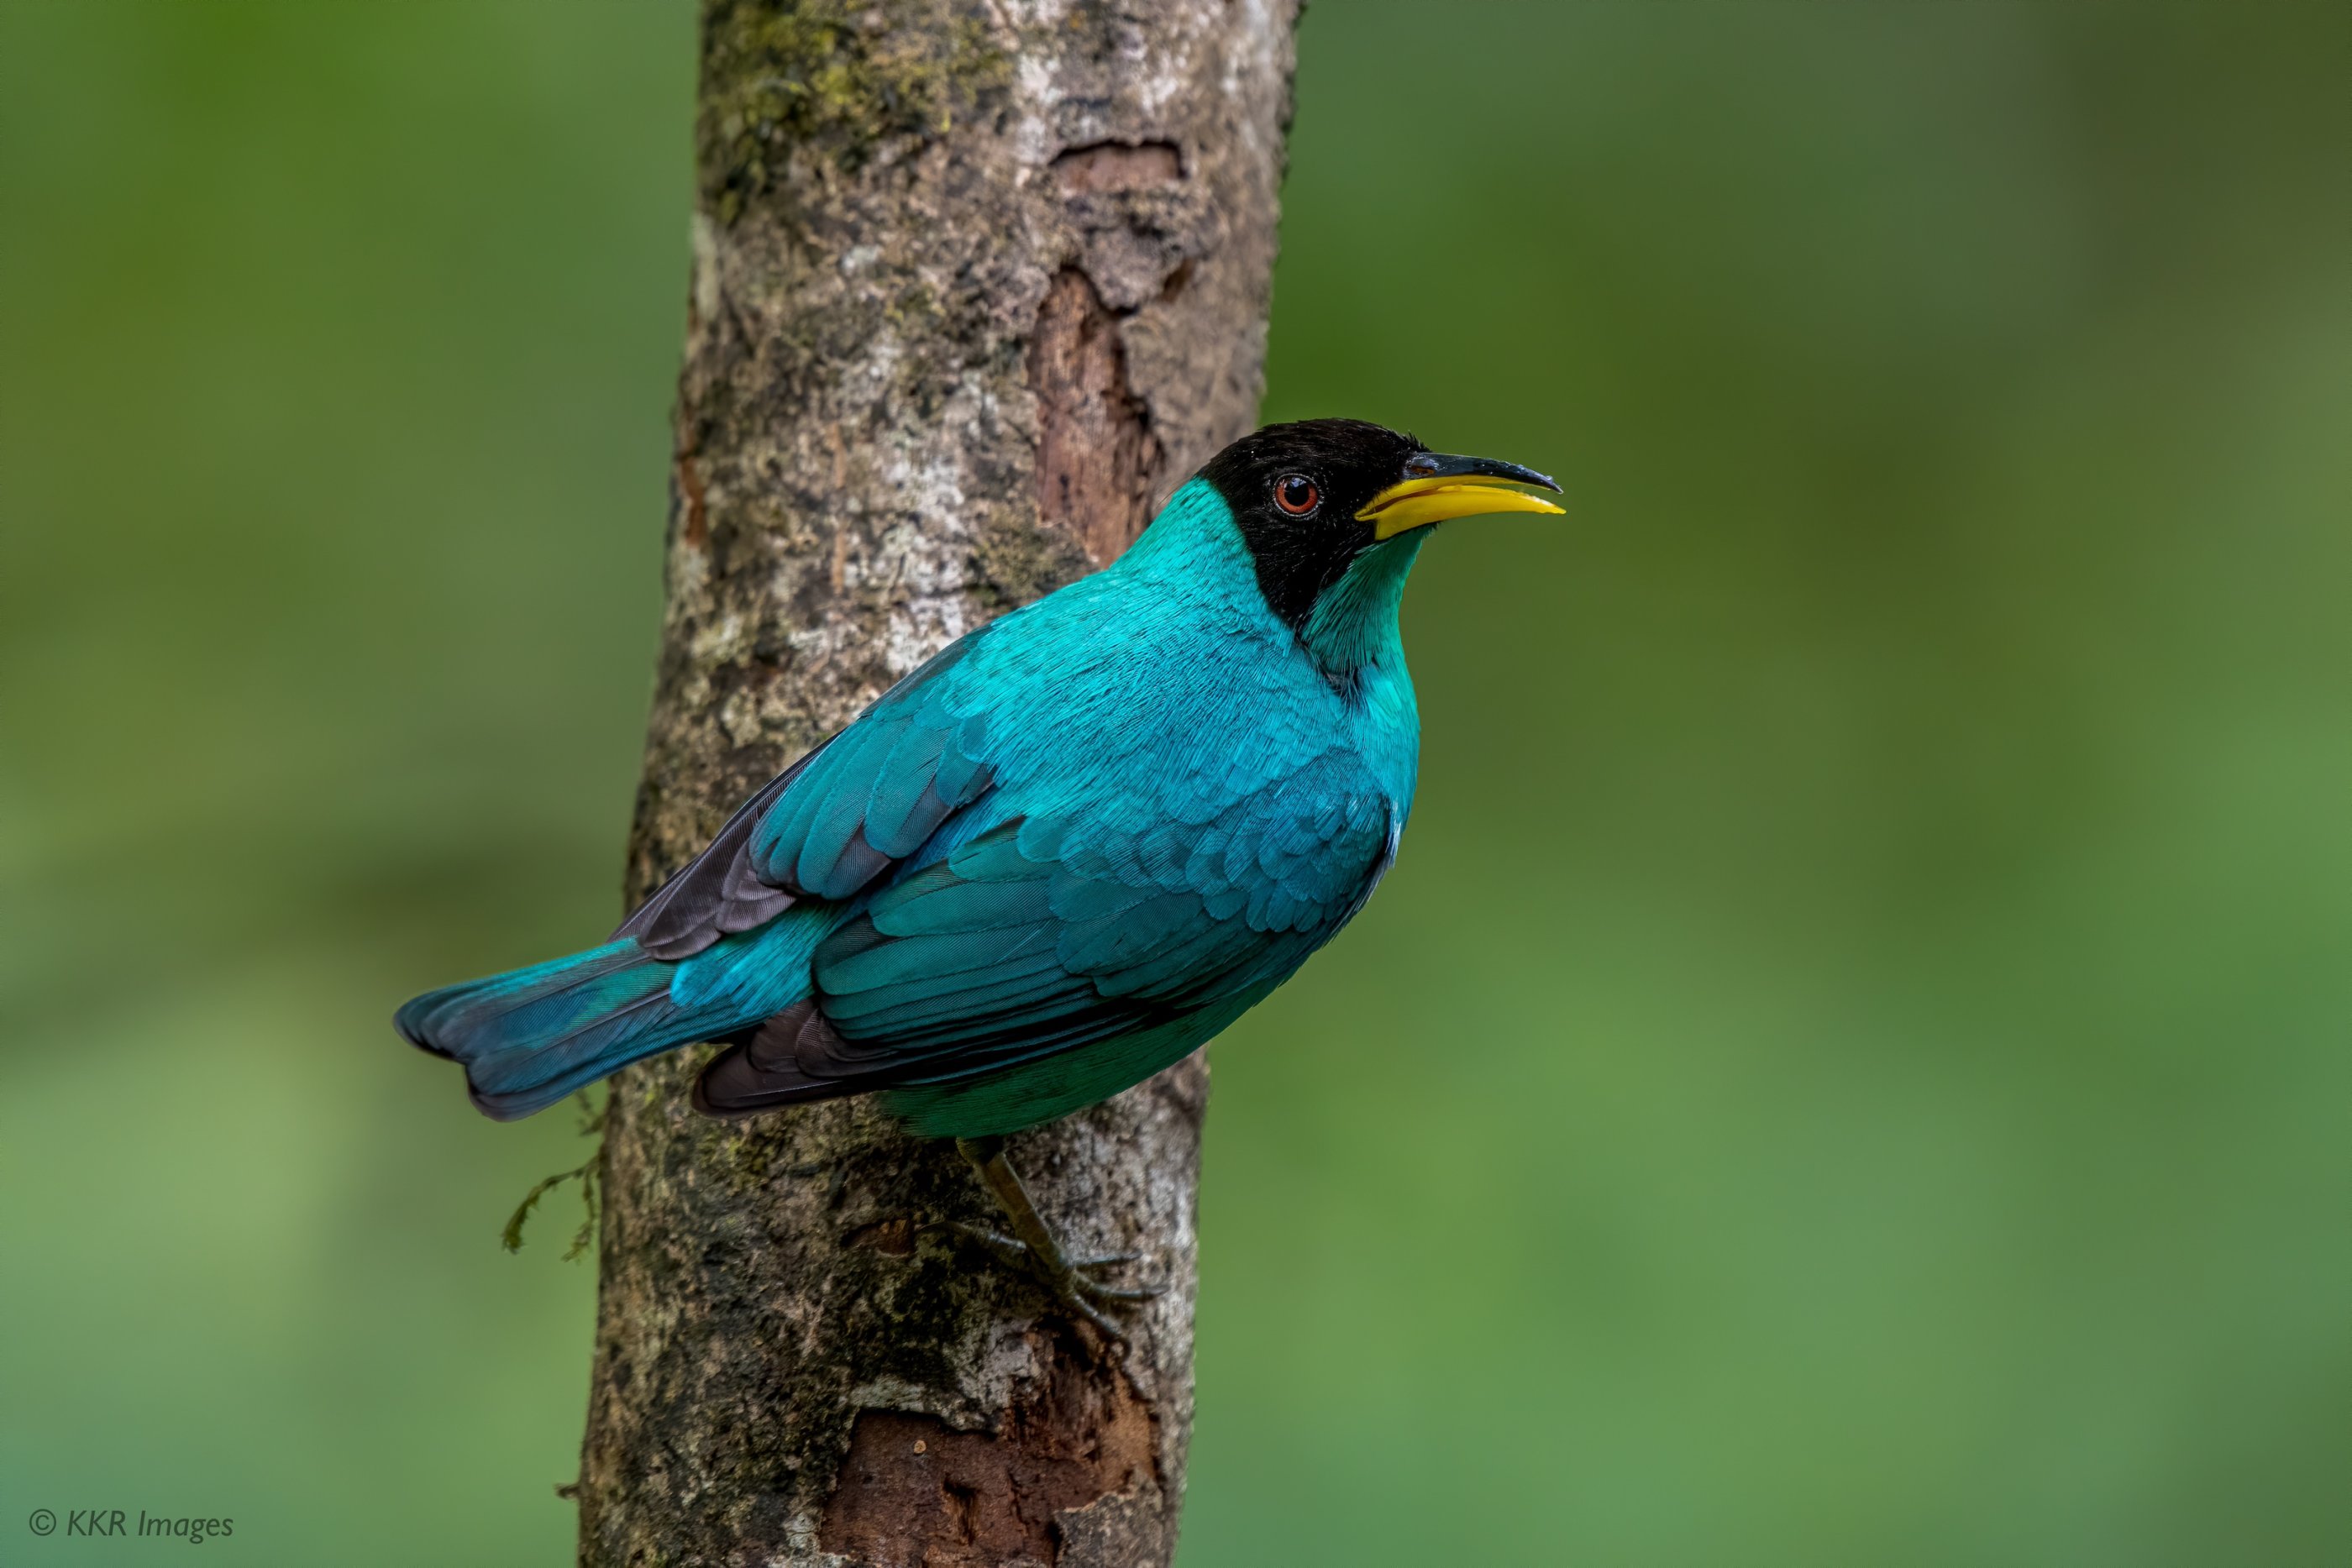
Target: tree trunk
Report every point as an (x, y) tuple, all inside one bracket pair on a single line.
[(976, 283)]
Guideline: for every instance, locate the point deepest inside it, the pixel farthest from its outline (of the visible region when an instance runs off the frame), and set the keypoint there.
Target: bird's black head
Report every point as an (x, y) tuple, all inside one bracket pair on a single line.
[(1312, 497)]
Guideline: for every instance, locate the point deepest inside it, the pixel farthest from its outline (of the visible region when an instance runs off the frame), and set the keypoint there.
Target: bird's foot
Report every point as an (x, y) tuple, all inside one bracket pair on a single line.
[(1038, 1252), (1069, 1280)]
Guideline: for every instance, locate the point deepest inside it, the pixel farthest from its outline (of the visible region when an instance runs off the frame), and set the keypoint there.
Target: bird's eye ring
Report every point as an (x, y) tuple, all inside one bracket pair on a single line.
[(1297, 494)]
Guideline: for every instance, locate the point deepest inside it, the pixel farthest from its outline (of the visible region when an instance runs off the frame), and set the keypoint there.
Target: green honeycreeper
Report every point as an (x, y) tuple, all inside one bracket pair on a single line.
[(1069, 848)]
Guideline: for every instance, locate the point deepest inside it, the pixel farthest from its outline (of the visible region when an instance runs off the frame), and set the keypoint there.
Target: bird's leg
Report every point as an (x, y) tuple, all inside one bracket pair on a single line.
[(1033, 1245)]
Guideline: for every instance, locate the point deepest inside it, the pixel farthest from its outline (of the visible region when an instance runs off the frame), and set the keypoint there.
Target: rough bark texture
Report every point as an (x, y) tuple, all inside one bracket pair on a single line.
[(975, 285)]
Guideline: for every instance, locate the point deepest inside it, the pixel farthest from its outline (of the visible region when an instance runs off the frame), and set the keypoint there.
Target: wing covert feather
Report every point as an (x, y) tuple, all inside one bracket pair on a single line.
[(1042, 935), (832, 825)]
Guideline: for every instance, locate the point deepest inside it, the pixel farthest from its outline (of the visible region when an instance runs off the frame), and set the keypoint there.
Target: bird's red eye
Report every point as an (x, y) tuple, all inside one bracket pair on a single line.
[(1297, 494)]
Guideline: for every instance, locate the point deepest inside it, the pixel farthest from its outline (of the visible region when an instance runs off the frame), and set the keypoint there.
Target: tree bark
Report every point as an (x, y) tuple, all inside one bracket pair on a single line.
[(976, 283)]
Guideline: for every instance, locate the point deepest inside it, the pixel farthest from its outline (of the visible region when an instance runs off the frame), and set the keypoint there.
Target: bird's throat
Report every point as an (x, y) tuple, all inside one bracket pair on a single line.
[(1354, 622)]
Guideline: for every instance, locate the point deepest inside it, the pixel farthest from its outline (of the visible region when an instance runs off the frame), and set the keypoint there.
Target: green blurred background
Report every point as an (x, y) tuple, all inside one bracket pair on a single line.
[(1850, 1068)]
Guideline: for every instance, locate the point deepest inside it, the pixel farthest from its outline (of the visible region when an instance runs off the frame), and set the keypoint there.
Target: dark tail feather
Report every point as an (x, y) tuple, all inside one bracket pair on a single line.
[(532, 1036), (762, 1071)]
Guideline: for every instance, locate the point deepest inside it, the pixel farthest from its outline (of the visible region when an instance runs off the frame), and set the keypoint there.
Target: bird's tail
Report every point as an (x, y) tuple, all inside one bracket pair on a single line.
[(529, 1036)]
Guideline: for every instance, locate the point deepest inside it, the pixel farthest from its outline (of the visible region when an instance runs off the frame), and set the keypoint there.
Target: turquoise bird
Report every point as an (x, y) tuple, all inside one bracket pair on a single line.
[(1057, 858)]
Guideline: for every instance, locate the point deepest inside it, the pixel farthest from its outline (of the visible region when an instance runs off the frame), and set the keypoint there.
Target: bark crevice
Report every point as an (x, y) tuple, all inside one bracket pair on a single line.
[(915, 1492), (1097, 456)]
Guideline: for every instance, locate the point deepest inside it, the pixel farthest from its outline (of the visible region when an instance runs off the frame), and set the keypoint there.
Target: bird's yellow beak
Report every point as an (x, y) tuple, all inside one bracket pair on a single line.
[(1439, 488)]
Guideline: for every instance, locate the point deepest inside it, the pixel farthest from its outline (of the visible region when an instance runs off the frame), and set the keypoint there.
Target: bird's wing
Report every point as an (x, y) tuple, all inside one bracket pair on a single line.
[(1047, 933), (828, 826)]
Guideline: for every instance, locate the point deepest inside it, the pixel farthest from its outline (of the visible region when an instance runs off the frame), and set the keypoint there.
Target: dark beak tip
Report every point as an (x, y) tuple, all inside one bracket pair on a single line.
[(1433, 465), (1526, 476)]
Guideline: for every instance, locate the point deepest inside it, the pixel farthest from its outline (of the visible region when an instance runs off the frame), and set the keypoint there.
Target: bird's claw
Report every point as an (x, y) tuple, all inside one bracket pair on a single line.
[(1068, 1279)]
